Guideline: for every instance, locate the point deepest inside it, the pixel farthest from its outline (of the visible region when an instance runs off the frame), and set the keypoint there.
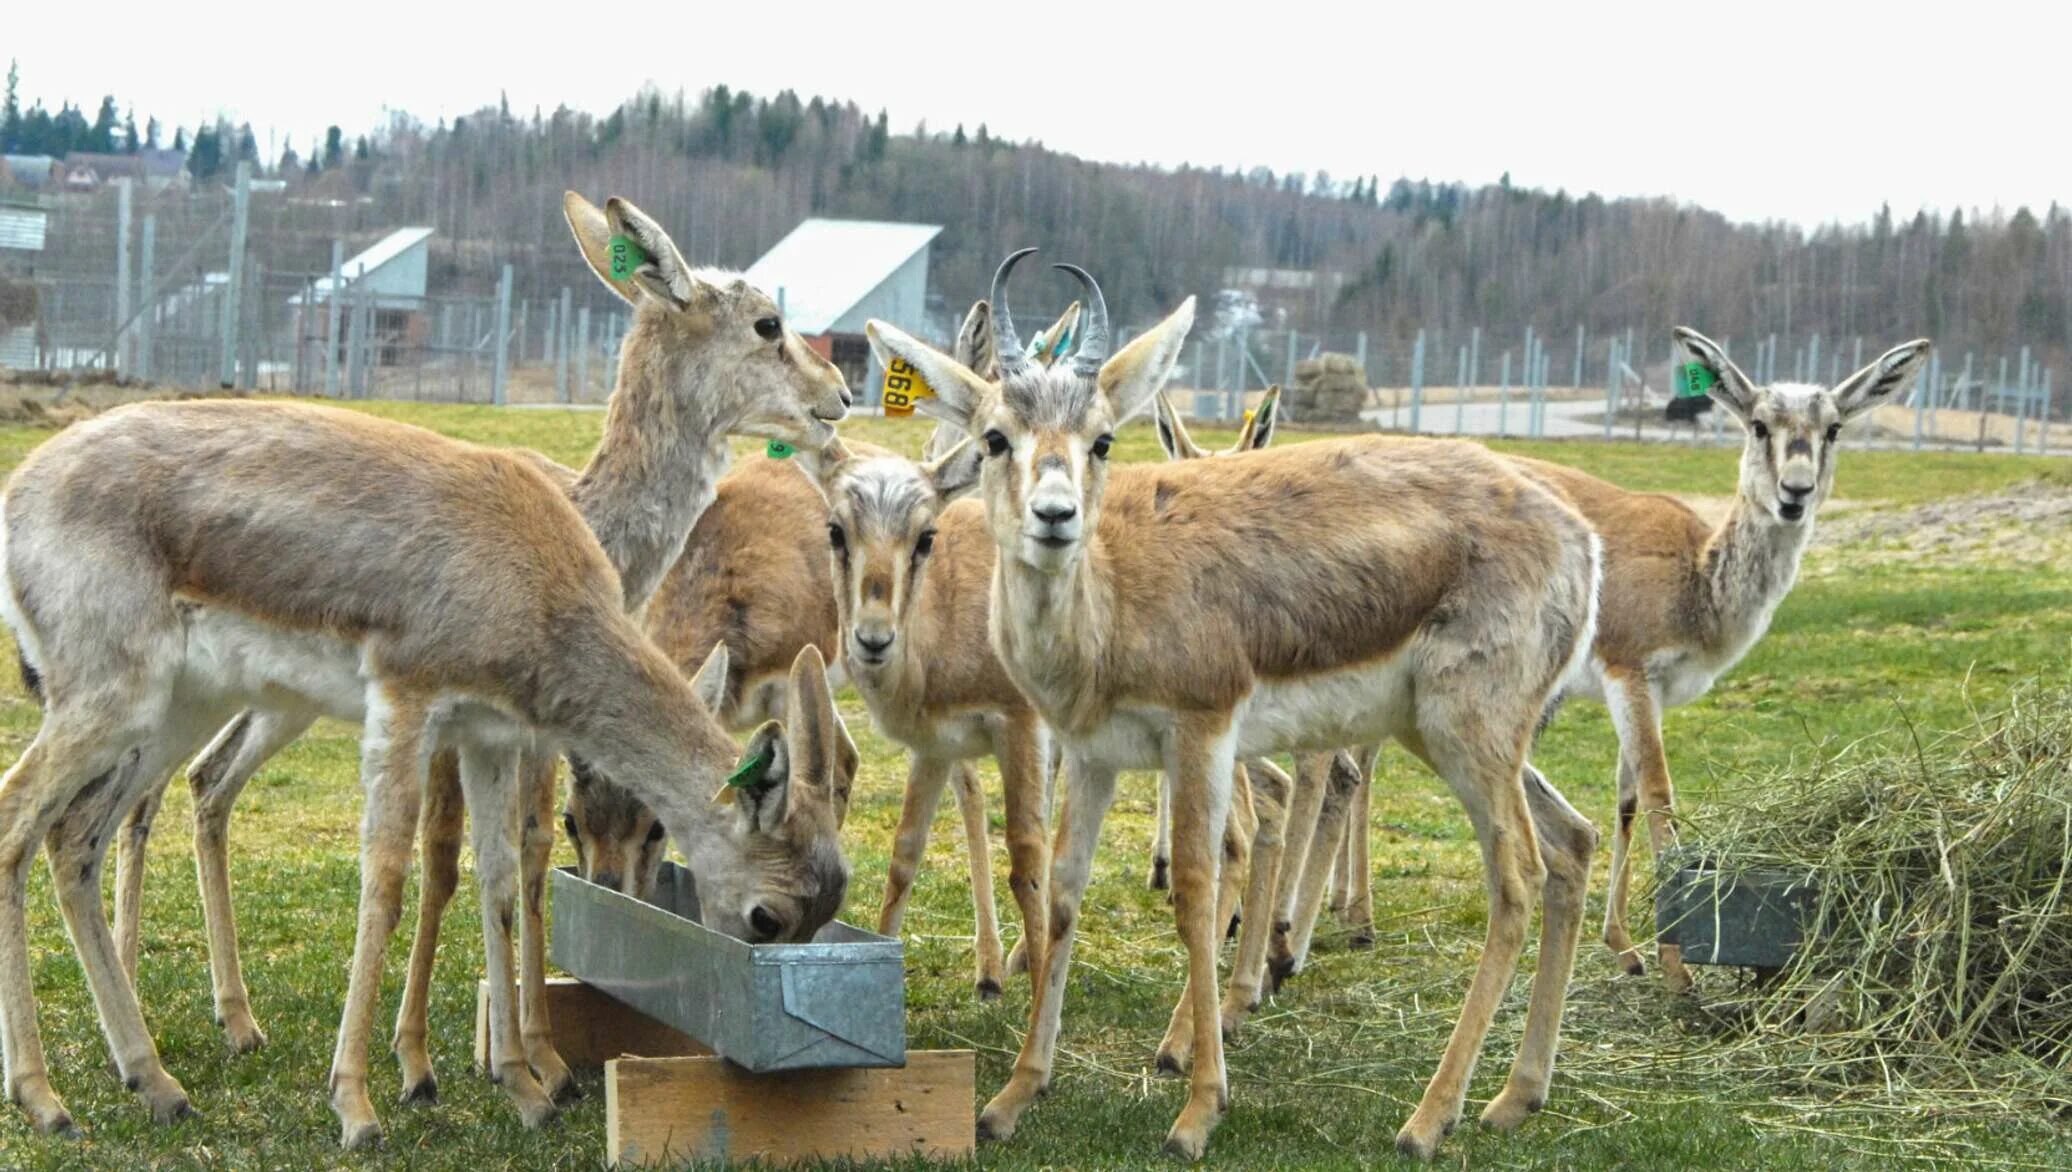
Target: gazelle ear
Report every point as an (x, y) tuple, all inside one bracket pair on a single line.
[(1172, 433), (816, 733), (761, 782), (659, 270), (956, 473), (709, 682), (1051, 344), (1883, 380), (1258, 429), (1134, 375), (954, 391), (821, 465), (974, 345), (593, 235), (1730, 388)]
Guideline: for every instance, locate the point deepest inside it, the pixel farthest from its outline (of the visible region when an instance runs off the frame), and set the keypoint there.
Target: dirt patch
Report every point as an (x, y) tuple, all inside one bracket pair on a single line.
[(39, 398), (2029, 524)]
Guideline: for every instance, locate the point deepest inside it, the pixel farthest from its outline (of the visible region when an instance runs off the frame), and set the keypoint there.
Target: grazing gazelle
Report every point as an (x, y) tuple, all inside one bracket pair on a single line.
[(239, 524), (1426, 591)]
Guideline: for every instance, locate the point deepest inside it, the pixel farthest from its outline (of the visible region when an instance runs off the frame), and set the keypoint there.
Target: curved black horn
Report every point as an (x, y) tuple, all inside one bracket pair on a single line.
[(1007, 345), (1093, 343)]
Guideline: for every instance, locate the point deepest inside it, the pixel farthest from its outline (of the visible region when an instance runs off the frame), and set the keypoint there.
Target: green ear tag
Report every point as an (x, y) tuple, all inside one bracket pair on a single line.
[(779, 450), (626, 256), (1693, 379), (750, 769)]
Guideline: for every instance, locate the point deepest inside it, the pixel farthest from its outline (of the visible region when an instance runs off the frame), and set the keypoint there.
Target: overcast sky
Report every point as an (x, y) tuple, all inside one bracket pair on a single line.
[(1800, 111)]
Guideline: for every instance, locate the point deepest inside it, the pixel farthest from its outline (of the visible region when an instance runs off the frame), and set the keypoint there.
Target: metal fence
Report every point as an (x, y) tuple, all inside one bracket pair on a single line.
[(215, 288)]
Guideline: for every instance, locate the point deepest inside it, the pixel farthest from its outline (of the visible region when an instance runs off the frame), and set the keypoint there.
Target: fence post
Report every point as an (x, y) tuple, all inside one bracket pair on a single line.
[(1417, 383), (547, 339), (1360, 354), (119, 356), (331, 319), (1234, 402), (583, 353), (1475, 356), (498, 388), (1294, 337), (2043, 424), (1503, 396), (2021, 410), (240, 217), (1611, 384), (363, 334), (561, 331), (147, 265), (1460, 394), (1582, 343), (252, 341)]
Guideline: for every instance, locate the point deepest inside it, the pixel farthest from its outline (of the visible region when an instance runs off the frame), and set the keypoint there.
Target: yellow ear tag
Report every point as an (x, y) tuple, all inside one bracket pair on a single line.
[(1248, 414), (903, 385)]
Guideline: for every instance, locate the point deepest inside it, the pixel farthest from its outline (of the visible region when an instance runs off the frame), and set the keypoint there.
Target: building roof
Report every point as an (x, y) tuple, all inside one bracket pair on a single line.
[(825, 267), (385, 250)]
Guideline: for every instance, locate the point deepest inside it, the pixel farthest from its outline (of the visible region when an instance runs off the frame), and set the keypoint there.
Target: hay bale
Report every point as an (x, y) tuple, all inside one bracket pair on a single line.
[(1328, 389), (1941, 948)]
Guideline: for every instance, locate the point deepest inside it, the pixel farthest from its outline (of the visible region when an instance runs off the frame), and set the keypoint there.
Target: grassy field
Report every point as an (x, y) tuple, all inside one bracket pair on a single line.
[(1878, 633)]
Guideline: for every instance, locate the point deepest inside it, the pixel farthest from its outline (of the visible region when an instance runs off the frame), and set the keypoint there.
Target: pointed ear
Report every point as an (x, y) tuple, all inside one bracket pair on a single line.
[(1132, 377), (956, 473), (974, 346), (659, 271), (1882, 381), (1172, 433), (1730, 388), (955, 390), (1051, 344), (709, 682), (761, 782), (593, 235), (1258, 429), (816, 732), (822, 464)]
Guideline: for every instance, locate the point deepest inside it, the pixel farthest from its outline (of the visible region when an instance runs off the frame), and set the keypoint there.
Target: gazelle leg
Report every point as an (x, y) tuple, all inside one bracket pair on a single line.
[(538, 772), (926, 779), (1567, 843), (440, 823), (1342, 780), (216, 778), (1271, 790), (495, 795), (392, 761), (1089, 791), (1489, 785), (1643, 788), (1162, 837), (971, 801), (1305, 816), (131, 845), (1028, 773), (1359, 861), (1176, 1051), (1199, 759), (1341, 872), (1616, 935)]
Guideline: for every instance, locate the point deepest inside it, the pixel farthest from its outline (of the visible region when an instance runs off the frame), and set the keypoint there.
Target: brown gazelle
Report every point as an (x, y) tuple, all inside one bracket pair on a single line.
[(1428, 593), (319, 561)]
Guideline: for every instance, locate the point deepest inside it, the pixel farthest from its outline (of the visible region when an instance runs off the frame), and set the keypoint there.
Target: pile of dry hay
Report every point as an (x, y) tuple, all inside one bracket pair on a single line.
[(1938, 967)]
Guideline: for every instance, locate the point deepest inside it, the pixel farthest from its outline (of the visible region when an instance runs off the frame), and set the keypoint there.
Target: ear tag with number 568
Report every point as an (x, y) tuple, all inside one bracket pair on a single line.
[(903, 386)]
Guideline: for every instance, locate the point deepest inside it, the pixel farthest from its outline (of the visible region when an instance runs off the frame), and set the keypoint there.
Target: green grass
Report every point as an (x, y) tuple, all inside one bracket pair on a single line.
[(1323, 1077)]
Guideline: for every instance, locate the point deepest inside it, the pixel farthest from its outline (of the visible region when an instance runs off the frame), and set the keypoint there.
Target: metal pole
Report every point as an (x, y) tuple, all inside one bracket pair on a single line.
[(498, 387), (2021, 406), (1460, 394), (363, 339), (1858, 363), (583, 353), (561, 348), (331, 318), (147, 264), (1475, 356), (251, 342), (119, 358), (1503, 398), (241, 214), (553, 324), (522, 333), (1360, 353), (1611, 384), (1581, 341), (1293, 338), (1417, 383)]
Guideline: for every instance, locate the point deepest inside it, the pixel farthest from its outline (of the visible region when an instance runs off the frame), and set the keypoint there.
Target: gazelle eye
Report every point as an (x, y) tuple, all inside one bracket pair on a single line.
[(763, 924), (925, 544), (1834, 432), (1101, 445), (1762, 430), (768, 328), (837, 539), (655, 833), (568, 823), (996, 443)]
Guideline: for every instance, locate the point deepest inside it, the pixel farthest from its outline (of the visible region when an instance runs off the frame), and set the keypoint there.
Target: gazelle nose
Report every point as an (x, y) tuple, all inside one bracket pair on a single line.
[(610, 879), (1054, 512), (1796, 490), (874, 643), (848, 399)]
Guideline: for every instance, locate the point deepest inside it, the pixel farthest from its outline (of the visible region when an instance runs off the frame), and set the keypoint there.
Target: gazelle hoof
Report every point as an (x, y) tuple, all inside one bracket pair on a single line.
[(988, 989), (1169, 1065), (1361, 941), (424, 1090), (359, 1137), (1511, 1108), (1160, 874)]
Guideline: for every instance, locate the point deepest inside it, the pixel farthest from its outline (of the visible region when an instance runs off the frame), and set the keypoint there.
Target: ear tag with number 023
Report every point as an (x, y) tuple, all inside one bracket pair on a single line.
[(626, 256), (1693, 379), (903, 386)]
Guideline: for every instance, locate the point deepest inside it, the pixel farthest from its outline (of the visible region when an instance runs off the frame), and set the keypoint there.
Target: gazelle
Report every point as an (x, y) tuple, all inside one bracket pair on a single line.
[(319, 561), (1433, 595)]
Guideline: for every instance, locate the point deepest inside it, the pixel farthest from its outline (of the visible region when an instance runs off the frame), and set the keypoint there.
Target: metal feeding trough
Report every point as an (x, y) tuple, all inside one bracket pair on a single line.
[(1755, 918), (839, 1001)]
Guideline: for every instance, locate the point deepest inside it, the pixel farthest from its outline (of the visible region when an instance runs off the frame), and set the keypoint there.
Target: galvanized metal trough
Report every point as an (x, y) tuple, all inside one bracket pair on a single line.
[(1754, 918), (839, 1001)]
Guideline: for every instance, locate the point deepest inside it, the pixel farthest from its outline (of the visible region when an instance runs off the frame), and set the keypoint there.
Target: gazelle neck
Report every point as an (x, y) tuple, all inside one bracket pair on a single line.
[(1751, 562), (1052, 631), (656, 469)]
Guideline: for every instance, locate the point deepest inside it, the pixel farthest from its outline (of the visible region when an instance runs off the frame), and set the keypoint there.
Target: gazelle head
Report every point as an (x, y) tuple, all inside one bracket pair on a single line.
[(1788, 457), (974, 348), (708, 332), (774, 870), (1044, 432), (881, 513), (1254, 435)]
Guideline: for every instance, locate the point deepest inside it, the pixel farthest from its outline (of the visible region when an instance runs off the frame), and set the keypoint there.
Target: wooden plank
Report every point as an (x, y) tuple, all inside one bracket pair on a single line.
[(590, 1028), (670, 1110)]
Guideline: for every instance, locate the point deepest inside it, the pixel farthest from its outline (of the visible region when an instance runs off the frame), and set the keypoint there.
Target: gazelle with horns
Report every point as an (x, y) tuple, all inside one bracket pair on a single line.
[(310, 560), (1442, 597)]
